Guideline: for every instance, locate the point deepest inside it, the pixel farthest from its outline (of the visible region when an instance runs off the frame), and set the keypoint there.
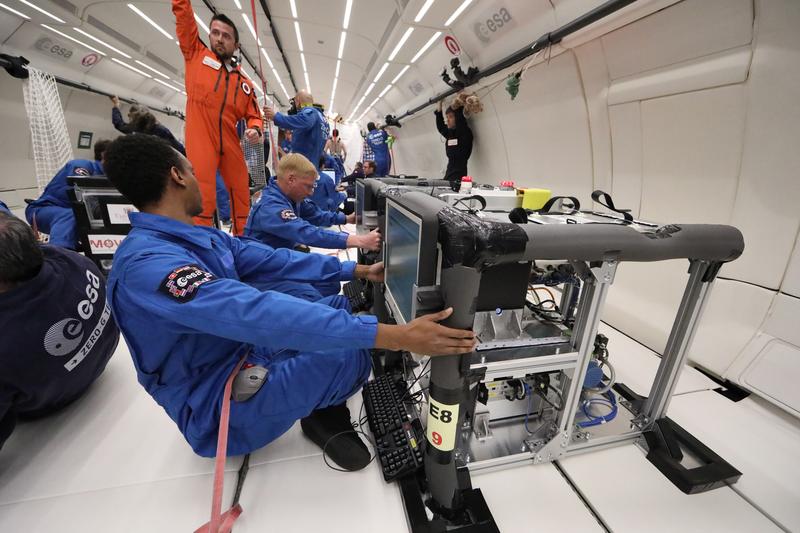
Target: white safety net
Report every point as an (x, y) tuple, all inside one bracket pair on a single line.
[(49, 137), (256, 165)]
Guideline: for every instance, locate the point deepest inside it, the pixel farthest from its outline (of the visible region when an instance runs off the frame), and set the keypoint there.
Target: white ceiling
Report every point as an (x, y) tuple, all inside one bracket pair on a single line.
[(375, 27)]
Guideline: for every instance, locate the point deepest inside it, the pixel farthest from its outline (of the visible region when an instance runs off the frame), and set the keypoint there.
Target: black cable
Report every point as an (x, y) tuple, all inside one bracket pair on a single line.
[(240, 480), (545, 398), (422, 373)]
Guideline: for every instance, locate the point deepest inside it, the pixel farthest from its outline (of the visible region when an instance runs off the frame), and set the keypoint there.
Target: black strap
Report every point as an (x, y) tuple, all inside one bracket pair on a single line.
[(604, 199), (481, 200), (576, 205)]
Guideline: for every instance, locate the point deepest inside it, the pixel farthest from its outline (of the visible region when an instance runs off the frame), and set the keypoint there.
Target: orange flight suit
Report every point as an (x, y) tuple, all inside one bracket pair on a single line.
[(217, 99)]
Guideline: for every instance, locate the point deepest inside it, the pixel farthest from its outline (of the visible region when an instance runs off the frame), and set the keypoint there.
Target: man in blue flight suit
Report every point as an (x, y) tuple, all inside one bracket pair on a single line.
[(284, 217), (51, 212), (285, 146), (327, 194), (378, 139), (184, 299), (309, 127), (58, 333)]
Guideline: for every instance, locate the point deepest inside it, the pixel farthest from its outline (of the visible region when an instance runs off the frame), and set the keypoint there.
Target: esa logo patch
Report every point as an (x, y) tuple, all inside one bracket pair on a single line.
[(288, 214), (80, 171), (246, 88), (183, 282)]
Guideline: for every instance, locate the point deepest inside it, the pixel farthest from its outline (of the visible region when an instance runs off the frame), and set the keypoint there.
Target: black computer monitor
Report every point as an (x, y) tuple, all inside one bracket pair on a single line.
[(401, 260), (411, 256), (360, 192)]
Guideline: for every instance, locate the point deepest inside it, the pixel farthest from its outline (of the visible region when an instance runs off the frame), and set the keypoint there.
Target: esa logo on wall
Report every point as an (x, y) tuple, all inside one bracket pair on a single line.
[(52, 48), (488, 25)]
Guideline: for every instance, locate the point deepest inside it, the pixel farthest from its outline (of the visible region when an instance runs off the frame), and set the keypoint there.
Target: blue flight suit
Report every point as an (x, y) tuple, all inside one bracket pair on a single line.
[(325, 194), (377, 141), (52, 209), (4, 207), (309, 132), (187, 301), (286, 146), (280, 223), (58, 335)]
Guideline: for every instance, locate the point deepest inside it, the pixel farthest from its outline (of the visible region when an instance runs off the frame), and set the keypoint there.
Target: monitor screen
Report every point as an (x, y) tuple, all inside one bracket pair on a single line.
[(331, 174), (402, 259), (360, 191)]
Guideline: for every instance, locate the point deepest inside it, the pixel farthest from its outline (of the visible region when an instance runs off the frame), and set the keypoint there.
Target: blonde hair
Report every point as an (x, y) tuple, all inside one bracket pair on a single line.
[(295, 164)]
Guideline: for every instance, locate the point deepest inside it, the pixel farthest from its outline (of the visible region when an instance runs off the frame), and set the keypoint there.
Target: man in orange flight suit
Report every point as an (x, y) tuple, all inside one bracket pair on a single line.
[(218, 96)]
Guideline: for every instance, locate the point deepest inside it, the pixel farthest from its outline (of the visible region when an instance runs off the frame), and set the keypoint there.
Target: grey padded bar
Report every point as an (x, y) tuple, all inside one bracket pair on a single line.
[(598, 242)]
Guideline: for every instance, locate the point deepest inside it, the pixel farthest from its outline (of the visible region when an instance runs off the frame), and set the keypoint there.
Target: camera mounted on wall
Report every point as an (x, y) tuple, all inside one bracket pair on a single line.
[(462, 79), (391, 120)]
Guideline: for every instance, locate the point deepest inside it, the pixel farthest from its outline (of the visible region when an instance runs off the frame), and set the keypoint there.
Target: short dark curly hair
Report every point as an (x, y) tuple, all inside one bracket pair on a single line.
[(99, 148), (21, 257), (139, 165), (225, 20)]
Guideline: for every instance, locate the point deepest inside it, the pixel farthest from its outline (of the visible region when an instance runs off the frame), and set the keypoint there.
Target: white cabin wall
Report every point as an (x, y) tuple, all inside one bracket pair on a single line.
[(689, 114), (83, 111)]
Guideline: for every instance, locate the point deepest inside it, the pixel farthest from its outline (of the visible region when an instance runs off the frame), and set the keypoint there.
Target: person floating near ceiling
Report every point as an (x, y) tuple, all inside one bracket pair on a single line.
[(380, 140), (218, 96), (308, 126)]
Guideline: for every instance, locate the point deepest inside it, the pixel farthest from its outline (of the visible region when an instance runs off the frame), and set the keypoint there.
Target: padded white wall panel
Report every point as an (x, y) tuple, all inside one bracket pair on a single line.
[(791, 281), (15, 139), (626, 150), (770, 364), (546, 129), (490, 156), (644, 298), (418, 149), (687, 30), (733, 314), (723, 68), (594, 77), (691, 153), (767, 206)]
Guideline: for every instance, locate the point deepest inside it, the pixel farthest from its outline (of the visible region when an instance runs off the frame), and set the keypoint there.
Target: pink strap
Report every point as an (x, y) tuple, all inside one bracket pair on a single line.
[(222, 522)]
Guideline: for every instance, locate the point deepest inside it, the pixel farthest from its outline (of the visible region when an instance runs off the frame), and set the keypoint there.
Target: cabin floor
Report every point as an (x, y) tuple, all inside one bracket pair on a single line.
[(113, 461)]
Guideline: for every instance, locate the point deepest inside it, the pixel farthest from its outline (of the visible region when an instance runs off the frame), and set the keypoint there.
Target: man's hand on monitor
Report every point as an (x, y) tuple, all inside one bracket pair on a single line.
[(351, 218), (426, 336), (373, 272)]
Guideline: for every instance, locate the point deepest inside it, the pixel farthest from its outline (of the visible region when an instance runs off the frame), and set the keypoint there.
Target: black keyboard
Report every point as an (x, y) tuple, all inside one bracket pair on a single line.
[(397, 430), (354, 290)]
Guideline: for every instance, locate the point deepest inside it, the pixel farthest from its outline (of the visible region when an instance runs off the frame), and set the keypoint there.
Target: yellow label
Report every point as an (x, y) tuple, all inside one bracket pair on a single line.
[(442, 425)]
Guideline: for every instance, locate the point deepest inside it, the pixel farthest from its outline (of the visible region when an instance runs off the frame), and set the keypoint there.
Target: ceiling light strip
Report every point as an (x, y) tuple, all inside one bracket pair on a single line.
[(95, 39), (341, 44), (148, 67), (166, 85), (457, 12), (201, 23), (426, 46), (424, 9), (131, 67), (299, 38), (40, 10), (380, 72), (149, 21), (347, 10), (400, 44), (400, 74), (17, 13), (73, 39)]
